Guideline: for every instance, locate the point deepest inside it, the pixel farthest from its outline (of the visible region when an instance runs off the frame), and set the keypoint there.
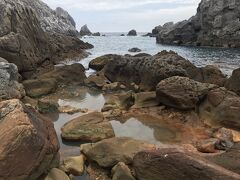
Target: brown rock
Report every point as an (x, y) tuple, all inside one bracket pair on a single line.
[(56, 174), (207, 146), (121, 171), (29, 145), (90, 127), (233, 83), (40, 87), (173, 164), (109, 152), (100, 62), (74, 165)]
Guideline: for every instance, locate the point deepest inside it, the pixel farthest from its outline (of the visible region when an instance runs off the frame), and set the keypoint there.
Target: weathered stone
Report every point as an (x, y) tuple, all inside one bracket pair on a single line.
[(74, 165), (28, 142), (90, 127), (221, 108), (147, 72), (97, 172), (233, 83), (174, 164), (109, 152), (100, 62), (181, 92), (56, 174), (207, 146), (84, 31), (71, 110), (47, 106), (96, 34), (121, 171), (40, 87), (215, 24), (60, 12), (145, 99), (9, 86)]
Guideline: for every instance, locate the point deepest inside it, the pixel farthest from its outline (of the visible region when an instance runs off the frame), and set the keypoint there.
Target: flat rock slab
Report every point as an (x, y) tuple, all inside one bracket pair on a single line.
[(172, 164), (109, 152), (90, 128)]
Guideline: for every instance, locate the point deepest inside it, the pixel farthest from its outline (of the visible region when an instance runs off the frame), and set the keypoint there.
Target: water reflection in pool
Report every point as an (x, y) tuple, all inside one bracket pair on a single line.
[(153, 132)]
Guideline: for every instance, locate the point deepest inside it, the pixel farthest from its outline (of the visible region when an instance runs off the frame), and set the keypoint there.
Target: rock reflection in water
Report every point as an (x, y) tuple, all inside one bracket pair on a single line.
[(156, 133)]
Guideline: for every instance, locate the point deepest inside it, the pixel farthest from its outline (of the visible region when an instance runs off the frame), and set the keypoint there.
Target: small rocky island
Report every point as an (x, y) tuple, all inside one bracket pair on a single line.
[(192, 111)]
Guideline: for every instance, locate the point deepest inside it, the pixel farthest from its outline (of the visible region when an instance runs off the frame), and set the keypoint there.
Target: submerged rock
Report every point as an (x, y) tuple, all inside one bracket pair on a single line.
[(174, 164), (28, 142), (134, 50), (84, 31), (90, 128), (182, 93), (221, 108), (109, 152), (9, 86), (233, 83), (132, 33)]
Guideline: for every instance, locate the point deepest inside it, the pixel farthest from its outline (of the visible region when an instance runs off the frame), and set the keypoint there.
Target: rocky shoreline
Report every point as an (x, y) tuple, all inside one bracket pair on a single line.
[(192, 112)]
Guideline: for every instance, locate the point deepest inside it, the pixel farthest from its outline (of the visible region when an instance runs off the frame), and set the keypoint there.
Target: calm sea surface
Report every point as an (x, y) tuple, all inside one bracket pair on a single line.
[(113, 43)]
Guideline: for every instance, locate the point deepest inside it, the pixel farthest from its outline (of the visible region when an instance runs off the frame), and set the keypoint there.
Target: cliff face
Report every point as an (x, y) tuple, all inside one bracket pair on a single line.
[(29, 40), (217, 23)]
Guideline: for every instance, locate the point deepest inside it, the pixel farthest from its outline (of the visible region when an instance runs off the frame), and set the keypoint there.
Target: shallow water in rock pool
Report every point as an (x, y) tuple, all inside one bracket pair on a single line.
[(225, 58)]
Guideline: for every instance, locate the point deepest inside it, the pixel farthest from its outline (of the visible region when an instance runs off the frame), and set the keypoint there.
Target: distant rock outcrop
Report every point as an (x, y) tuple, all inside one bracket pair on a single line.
[(132, 33), (65, 15), (215, 24), (85, 31)]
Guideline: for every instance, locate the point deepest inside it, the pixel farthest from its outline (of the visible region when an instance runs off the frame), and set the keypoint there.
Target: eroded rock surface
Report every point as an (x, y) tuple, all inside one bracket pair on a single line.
[(28, 142), (233, 83)]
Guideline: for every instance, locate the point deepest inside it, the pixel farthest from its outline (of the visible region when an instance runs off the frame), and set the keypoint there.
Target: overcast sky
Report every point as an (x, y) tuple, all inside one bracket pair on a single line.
[(123, 15)]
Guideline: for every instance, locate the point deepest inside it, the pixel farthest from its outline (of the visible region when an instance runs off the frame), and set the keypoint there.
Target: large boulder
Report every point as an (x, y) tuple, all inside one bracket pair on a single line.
[(9, 86), (173, 164), (39, 87), (33, 36), (181, 92), (109, 152), (90, 128), (67, 74), (132, 33), (84, 31), (147, 72), (215, 24), (28, 142), (100, 62), (233, 83), (221, 108)]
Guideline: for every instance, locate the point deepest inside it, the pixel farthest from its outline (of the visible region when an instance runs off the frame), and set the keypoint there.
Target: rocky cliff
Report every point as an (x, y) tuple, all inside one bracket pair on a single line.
[(30, 39), (215, 24)]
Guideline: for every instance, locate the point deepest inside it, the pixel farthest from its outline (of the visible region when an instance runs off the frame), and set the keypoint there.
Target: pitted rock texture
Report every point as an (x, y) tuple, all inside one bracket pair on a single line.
[(215, 24), (9, 85)]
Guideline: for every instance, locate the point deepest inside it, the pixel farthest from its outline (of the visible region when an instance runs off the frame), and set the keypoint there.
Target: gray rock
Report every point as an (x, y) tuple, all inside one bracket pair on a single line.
[(65, 15), (215, 24), (134, 50), (132, 33), (233, 83), (10, 88), (84, 31)]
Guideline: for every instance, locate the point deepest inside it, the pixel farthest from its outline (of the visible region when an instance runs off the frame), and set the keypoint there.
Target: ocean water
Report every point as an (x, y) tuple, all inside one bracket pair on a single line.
[(225, 58)]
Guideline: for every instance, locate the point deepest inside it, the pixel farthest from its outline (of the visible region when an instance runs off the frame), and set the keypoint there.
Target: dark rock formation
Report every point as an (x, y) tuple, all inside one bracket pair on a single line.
[(147, 72), (173, 164), (28, 142), (84, 31), (233, 83), (221, 108), (96, 34), (215, 24), (132, 33), (134, 50), (31, 40), (9, 86), (181, 92)]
